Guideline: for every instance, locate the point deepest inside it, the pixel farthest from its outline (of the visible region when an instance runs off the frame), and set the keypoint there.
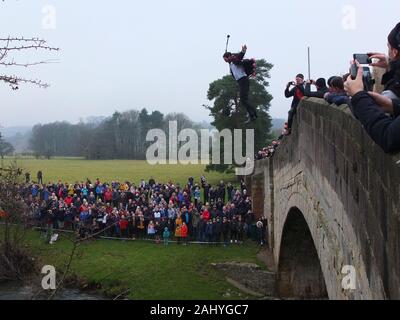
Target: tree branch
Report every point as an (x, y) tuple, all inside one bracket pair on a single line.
[(14, 81), (26, 44), (13, 63)]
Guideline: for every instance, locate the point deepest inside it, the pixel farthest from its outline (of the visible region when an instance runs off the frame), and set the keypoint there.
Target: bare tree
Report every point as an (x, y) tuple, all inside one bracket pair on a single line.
[(11, 45), (15, 263)]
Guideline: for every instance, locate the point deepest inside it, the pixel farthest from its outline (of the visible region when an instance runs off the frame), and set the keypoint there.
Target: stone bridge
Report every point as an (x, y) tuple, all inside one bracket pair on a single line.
[(331, 197)]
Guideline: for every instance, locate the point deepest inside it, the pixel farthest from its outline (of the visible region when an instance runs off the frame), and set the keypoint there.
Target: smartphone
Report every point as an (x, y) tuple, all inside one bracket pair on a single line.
[(362, 58)]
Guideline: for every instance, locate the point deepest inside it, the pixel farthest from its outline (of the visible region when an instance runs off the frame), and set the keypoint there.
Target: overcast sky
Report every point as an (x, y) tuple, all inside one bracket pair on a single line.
[(162, 55)]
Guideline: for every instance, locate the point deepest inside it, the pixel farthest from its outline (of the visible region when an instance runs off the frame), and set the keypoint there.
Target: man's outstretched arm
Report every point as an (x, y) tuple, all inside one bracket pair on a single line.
[(242, 53)]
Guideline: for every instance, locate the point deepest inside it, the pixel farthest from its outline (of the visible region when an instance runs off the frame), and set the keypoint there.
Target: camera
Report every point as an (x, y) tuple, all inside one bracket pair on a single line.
[(368, 81), (362, 58)]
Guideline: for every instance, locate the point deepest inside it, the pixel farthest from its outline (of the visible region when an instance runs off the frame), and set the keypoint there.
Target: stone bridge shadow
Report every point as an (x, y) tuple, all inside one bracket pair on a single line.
[(331, 197)]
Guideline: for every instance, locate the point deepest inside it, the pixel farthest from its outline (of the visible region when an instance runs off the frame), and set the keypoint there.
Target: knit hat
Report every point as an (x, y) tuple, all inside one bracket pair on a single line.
[(394, 37)]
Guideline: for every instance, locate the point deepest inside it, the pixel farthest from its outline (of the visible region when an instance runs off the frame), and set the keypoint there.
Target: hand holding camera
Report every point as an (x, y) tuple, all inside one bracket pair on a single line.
[(290, 83), (354, 85), (359, 60), (383, 60)]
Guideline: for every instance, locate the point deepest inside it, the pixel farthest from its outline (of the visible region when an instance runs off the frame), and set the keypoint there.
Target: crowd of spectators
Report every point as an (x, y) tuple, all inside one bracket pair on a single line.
[(150, 210), (269, 151)]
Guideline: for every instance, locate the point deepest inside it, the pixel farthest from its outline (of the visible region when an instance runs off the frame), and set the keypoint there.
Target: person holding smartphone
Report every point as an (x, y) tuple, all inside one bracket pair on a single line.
[(391, 63), (372, 109), (297, 92)]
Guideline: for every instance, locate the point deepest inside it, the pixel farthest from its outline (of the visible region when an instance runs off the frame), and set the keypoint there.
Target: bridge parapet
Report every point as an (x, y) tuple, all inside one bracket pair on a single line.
[(348, 191)]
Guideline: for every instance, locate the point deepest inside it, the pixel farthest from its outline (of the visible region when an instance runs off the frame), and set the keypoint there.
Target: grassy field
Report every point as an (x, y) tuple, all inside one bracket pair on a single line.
[(75, 169), (149, 270)]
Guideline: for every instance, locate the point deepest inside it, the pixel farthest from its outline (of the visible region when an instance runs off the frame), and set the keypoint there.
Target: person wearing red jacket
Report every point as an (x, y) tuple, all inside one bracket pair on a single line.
[(184, 233), (205, 215), (123, 226), (297, 92), (108, 195), (68, 200), (3, 214), (84, 208), (60, 192)]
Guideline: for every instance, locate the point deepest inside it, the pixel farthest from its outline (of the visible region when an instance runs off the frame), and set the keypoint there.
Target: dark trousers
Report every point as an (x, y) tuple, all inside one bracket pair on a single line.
[(234, 235), (244, 85), (194, 233), (226, 236), (291, 113), (124, 233)]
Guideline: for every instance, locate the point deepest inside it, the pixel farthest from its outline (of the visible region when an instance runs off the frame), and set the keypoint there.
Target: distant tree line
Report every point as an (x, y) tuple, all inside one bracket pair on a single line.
[(6, 148), (121, 136)]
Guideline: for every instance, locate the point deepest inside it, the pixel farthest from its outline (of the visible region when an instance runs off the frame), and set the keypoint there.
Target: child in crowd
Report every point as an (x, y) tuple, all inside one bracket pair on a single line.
[(184, 233), (178, 229), (166, 236), (151, 230)]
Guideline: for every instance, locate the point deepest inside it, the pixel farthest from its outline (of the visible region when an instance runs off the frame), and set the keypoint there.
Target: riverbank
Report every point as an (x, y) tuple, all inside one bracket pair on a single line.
[(145, 270), (20, 291)]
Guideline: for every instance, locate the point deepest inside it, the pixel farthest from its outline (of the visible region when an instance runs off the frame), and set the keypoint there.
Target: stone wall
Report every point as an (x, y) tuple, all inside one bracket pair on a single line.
[(348, 191)]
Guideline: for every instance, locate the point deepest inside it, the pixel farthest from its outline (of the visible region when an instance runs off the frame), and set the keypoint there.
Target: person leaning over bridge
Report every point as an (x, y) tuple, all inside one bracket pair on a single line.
[(297, 92), (372, 108), (391, 64), (320, 84), (337, 95)]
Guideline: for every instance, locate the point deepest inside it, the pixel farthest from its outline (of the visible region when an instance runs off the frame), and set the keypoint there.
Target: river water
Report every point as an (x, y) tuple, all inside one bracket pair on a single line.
[(17, 291)]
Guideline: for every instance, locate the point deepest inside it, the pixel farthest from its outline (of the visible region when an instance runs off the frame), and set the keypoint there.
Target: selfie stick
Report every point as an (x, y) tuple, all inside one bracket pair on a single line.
[(309, 68), (227, 41)]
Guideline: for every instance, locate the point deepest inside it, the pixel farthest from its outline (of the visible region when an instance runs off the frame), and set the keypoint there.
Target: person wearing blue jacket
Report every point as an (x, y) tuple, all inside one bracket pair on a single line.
[(166, 236), (337, 95), (34, 191), (99, 191)]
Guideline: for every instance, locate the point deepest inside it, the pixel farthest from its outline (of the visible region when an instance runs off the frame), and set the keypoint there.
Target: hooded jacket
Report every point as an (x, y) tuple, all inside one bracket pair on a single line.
[(391, 79), (383, 129)]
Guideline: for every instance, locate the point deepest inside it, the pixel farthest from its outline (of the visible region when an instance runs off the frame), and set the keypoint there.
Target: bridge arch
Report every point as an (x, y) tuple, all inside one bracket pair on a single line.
[(299, 268)]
